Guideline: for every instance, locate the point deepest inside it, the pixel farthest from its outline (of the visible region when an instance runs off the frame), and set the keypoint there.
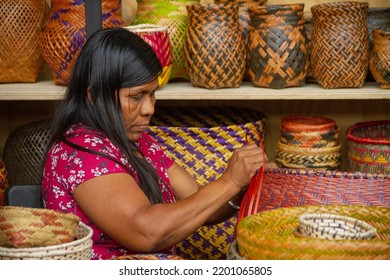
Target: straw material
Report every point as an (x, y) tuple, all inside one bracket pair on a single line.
[(214, 46), (149, 257), (377, 18), (22, 227), (270, 235), (340, 44), (79, 249), (24, 152), (380, 58), (174, 16), (21, 24), (64, 34), (3, 182), (277, 46), (369, 147), (201, 140), (158, 38)]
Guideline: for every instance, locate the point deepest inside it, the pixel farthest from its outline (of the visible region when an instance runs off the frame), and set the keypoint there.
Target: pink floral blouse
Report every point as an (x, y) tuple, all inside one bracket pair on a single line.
[(66, 167)]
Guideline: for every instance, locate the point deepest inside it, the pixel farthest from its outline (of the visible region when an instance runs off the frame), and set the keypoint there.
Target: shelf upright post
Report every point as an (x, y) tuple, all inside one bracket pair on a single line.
[(93, 16)]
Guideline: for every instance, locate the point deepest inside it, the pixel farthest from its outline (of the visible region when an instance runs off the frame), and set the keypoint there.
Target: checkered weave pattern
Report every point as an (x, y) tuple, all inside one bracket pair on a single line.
[(201, 140)]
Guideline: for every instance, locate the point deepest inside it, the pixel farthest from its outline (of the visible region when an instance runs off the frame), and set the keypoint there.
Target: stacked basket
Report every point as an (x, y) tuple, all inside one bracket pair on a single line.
[(309, 142)]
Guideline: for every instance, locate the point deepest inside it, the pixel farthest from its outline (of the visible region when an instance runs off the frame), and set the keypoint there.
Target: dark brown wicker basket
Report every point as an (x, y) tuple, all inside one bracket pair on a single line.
[(277, 46), (24, 152), (339, 53), (214, 47)]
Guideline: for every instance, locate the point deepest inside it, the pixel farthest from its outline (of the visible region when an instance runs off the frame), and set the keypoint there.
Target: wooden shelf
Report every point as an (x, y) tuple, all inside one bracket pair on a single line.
[(47, 90)]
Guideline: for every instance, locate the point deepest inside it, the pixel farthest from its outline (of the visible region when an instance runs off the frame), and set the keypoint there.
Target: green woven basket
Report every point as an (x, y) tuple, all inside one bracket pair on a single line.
[(202, 139)]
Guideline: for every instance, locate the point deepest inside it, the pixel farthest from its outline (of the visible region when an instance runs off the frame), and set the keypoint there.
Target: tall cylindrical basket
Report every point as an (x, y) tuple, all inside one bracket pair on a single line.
[(340, 44), (214, 47)]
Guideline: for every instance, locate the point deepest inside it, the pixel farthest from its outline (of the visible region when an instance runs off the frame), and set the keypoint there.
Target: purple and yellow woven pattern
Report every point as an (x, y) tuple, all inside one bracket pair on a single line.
[(201, 140)]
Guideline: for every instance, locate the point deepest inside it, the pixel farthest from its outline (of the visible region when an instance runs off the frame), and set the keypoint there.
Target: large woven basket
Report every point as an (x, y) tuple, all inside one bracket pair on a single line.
[(340, 44), (24, 152), (277, 47), (79, 249), (380, 57), (201, 140), (23, 227), (270, 235), (20, 28), (369, 147), (214, 46)]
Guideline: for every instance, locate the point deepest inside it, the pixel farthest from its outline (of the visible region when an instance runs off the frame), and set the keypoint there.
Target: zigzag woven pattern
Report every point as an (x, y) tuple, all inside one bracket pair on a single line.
[(369, 147), (201, 140), (214, 46), (277, 46), (340, 54)]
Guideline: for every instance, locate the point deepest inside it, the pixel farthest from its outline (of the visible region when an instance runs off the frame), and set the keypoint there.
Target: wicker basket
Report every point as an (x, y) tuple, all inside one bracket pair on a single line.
[(340, 44), (79, 249), (369, 147), (377, 18), (201, 140), (270, 235), (24, 152), (308, 142), (277, 46), (160, 256), (21, 25), (23, 227), (174, 16), (64, 34), (380, 58), (214, 46), (158, 38)]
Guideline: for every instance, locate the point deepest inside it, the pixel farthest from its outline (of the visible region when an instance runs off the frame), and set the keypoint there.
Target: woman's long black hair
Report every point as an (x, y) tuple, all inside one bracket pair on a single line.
[(110, 59)]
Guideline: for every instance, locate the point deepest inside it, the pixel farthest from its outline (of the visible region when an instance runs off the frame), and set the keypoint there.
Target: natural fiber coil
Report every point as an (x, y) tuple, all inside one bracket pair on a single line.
[(24, 152), (340, 44), (23, 227), (158, 38), (270, 235), (79, 249), (214, 46), (369, 147), (277, 46), (201, 140), (380, 58), (20, 28)]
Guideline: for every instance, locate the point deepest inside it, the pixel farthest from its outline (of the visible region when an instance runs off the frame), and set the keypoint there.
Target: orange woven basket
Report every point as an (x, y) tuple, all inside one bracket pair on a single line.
[(340, 44), (20, 28), (380, 57)]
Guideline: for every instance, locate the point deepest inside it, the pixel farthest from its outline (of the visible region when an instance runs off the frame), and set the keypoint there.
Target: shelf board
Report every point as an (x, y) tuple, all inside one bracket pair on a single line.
[(47, 90)]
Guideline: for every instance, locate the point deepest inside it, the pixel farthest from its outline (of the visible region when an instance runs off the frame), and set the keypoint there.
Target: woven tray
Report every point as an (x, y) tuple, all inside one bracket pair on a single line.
[(270, 235), (79, 249)]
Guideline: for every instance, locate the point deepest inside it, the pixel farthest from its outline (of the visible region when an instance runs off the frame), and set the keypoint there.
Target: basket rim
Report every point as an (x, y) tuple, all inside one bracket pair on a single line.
[(146, 27), (359, 125)]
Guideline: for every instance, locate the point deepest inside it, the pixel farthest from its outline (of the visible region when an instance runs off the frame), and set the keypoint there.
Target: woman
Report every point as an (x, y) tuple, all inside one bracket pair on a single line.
[(103, 166)]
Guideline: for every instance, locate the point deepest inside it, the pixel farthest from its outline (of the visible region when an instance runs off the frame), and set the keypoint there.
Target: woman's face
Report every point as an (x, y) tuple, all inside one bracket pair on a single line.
[(138, 107)]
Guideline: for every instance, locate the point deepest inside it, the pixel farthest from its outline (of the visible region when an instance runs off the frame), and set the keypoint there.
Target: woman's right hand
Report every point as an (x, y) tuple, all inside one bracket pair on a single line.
[(243, 164)]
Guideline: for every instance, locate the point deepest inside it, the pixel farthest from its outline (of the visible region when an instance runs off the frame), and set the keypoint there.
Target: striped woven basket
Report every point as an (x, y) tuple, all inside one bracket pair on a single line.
[(380, 57), (201, 140), (270, 235), (369, 147), (78, 249)]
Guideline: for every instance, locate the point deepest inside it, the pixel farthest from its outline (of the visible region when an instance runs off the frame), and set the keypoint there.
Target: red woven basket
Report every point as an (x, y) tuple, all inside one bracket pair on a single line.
[(369, 147)]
